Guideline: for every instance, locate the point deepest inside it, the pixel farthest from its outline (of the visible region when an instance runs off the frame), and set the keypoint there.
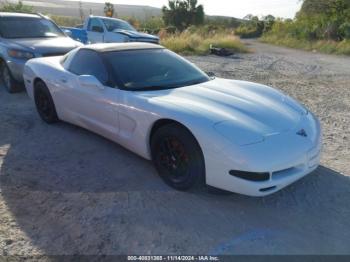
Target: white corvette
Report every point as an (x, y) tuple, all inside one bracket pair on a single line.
[(233, 135)]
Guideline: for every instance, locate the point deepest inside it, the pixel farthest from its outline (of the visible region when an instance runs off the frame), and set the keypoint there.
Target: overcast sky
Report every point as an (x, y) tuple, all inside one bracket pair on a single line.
[(236, 8)]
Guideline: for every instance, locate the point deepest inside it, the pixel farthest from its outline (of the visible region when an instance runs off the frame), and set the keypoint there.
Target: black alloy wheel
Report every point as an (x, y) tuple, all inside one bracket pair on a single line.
[(177, 157)]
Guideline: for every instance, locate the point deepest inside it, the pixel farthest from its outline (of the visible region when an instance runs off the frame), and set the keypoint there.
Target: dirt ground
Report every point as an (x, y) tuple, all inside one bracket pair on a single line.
[(64, 190)]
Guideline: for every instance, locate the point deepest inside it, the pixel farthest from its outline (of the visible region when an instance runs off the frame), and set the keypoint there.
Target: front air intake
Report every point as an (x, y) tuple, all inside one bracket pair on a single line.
[(251, 176)]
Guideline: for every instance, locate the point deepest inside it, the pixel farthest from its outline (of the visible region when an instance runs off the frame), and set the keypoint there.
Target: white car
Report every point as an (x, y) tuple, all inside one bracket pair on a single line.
[(233, 135)]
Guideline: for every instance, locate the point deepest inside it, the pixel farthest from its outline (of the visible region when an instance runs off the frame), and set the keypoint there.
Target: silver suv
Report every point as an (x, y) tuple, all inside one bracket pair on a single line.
[(26, 36)]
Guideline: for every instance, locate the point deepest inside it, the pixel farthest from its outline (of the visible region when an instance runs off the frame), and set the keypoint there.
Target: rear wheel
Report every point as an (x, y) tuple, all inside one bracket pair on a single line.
[(177, 157), (44, 103), (8, 81)]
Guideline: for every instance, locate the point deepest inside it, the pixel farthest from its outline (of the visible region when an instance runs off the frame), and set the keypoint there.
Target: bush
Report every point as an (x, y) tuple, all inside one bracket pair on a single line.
[(152, 25), (324, 46), (171, 29), (248, 32), (188, 43), (320, 25), (19, 7), (345, 30), (65, 20), (255, 27)]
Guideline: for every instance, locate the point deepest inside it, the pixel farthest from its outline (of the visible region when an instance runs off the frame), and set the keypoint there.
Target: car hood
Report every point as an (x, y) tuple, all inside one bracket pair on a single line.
[(135, 34), (57, 45), (250, 106)]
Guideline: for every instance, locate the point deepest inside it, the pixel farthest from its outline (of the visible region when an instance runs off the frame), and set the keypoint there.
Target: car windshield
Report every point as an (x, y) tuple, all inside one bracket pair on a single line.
[(113, 24), (153, 69), (28, 27)]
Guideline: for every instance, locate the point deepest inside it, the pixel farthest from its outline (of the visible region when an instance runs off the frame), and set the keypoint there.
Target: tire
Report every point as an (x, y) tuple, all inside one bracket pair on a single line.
[(178, 157), (7, 79), (44, 103)]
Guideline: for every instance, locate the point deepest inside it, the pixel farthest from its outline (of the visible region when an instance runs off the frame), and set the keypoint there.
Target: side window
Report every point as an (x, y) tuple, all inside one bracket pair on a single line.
[(95, 25), (66, 61), (87, 62)]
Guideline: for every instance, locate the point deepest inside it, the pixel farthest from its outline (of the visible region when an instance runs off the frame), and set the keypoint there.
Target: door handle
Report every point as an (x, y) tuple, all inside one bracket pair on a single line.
[(63, 80)]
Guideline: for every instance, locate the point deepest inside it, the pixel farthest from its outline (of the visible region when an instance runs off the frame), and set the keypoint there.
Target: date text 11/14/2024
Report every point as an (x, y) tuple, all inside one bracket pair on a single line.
[(173, 258)]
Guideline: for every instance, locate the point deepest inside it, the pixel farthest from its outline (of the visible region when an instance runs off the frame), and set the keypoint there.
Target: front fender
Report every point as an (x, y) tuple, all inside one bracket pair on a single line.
[(29, 77)]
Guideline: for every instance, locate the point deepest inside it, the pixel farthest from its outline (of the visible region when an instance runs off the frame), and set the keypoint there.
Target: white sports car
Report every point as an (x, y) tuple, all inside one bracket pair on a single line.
[(233, 135)]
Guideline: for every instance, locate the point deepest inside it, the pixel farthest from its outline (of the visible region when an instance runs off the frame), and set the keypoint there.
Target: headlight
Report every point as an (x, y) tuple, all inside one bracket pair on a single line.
[(239, 135), (20, 54)]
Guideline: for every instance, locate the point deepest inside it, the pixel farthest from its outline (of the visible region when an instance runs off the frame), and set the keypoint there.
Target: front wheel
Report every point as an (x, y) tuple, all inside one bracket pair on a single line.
[(7, 79), (177, 157), (44, 103)]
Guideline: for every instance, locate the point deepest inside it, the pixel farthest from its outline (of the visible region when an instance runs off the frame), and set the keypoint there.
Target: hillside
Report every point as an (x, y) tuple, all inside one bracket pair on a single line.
[(71, 8)]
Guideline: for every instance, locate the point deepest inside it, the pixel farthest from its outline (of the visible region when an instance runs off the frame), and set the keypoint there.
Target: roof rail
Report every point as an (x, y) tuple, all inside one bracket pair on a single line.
[(41, 15), (30, 13)]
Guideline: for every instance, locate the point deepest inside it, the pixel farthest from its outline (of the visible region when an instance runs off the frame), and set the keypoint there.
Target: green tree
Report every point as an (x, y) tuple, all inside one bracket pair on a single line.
[(268, 20), (323, 7), (324, 19), (19, 7), (252, 27), (183, 13), (109, 9), (317, 20)]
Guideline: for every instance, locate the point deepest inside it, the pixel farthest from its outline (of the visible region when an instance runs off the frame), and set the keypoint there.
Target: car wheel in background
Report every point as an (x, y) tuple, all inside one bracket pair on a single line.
[(8, 81), (44, 103), (178, 157)]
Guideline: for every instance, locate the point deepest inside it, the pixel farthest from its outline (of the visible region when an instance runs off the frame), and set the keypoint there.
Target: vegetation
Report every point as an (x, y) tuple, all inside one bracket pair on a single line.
[(18, 7), (152, 25), (109, 9), (254, 27), (223, 22), (183, 27), (65, 20), (197, 41), (324, 46), (183, 13), (322, 25)]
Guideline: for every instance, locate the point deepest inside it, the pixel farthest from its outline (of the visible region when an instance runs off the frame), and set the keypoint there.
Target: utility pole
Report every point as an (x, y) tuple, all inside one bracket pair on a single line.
[(81, 11)]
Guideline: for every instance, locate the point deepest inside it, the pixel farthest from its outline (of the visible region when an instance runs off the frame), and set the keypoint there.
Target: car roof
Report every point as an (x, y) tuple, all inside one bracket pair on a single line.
[(121, 47), (8, 14)]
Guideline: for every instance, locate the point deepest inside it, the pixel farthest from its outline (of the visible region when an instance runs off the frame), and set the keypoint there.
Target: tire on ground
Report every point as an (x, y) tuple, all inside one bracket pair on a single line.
[(192, 155), (10, 84), (44, 103)]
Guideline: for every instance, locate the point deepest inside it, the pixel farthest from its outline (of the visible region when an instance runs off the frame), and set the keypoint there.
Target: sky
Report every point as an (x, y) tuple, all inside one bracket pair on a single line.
[(235, 8)]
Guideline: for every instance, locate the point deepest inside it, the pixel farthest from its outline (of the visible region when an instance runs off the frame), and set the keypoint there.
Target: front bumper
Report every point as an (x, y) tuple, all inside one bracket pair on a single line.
[(286, 157), (16, 67)]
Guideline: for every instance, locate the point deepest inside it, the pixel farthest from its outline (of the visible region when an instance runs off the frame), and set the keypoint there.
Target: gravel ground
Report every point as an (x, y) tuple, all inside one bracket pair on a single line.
[(64, 190)]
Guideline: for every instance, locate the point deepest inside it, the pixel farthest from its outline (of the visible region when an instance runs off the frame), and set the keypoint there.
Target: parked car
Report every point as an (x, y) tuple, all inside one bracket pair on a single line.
[(26, 36), (234, 135), (111, 30)]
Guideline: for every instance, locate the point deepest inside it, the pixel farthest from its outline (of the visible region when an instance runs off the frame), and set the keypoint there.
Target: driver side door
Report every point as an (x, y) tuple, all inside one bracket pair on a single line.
[(92, 107), (95, 31)]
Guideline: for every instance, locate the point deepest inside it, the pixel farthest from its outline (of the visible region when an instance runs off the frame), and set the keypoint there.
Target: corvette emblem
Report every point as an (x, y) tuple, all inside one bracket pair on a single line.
[(302, 132)]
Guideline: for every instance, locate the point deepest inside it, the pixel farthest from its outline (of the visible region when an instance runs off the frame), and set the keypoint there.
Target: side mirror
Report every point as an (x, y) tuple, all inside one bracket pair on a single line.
[(97, 29), (90, 82), (68, 32), (211, 74)]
